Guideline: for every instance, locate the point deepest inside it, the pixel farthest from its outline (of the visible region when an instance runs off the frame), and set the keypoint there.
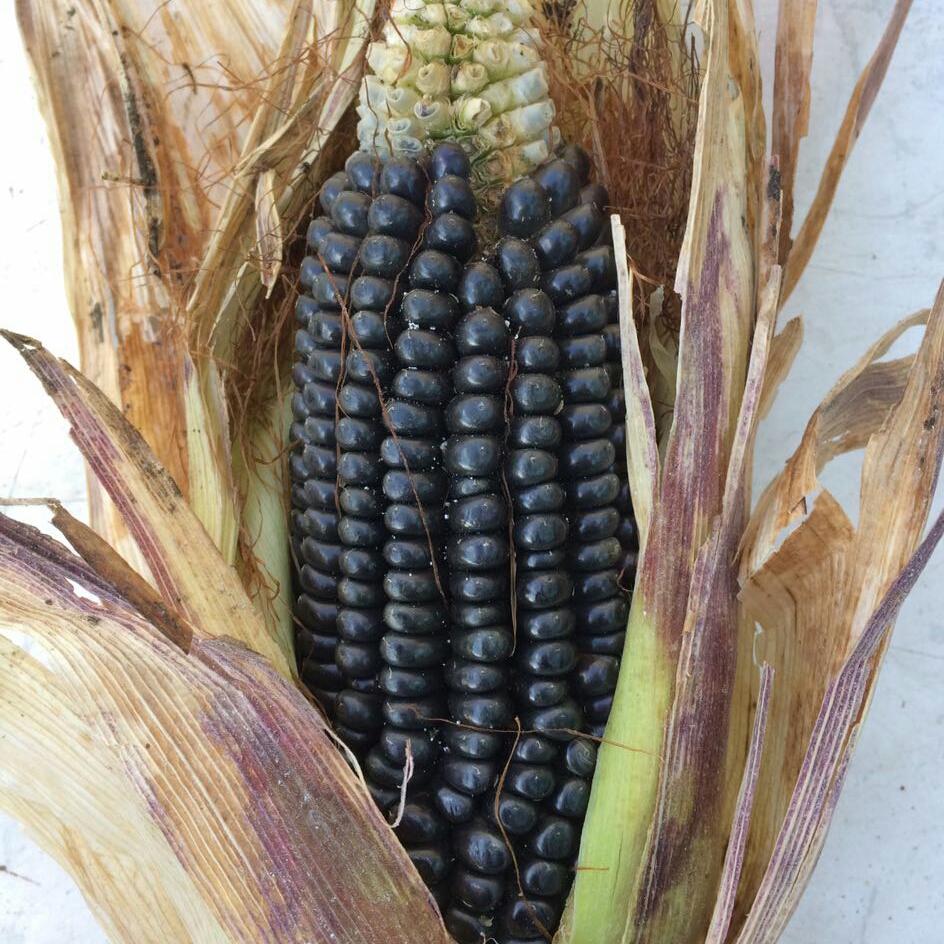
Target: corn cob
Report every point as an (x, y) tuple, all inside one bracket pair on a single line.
[(459, 604), (454, 428)]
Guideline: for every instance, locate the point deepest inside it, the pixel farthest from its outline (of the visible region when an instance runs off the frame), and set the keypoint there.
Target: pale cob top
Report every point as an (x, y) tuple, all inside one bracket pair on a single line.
[(469, 72)]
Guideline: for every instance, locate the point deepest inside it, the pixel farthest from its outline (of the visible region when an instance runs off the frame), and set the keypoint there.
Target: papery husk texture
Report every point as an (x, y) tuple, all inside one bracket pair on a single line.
[(191, 791), (155, 742)]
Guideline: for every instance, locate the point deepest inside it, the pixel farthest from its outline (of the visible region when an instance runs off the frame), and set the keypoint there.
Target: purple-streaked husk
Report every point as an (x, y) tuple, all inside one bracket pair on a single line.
[(629, 867), (202, 795), (671, 777), (193, 795)]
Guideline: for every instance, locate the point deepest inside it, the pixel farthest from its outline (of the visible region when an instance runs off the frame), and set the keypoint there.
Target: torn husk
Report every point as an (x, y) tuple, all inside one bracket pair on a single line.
[(181, 171), (206, 800), (661, 786), (194, 796)]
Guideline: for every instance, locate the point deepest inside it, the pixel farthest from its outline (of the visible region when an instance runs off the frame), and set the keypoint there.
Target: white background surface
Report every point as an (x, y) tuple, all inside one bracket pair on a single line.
[(881, 876)]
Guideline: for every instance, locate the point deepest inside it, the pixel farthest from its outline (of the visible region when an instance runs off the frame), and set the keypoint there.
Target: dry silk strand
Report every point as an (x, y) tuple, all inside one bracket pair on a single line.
[(460, 520)]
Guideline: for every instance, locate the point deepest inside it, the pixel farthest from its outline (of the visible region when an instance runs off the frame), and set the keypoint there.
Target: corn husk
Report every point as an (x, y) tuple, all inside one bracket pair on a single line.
[(136, 737), (201, 140), (207, 800)]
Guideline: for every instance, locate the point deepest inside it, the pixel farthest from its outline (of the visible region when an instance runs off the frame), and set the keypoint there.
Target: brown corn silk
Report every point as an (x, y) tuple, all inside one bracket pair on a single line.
[(625, 81), (152, 738)]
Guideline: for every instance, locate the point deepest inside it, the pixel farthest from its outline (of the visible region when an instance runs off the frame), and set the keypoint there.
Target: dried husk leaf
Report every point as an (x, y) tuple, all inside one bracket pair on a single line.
[(827, 760), (857, 111), (316, 69), (268, 231), (743, 808), (621, 877), (790, 121), (185, 567), (210, 457), (290, 147), (105, 561), (783, 351), (143, 145), (826, 573), (211, 131), (664, 355), (192, 796), (642, 452)]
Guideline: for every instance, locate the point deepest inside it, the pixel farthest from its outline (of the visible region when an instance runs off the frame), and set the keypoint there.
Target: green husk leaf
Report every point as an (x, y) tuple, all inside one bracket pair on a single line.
[(613, 898)]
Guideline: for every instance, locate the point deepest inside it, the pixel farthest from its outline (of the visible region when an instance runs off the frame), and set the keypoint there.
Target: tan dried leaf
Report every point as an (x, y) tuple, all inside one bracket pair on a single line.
[(816, 591), (791, 100), (268, 231), (184, 566), (857, 111), (193, 797), (143, 143), (191, 146)]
